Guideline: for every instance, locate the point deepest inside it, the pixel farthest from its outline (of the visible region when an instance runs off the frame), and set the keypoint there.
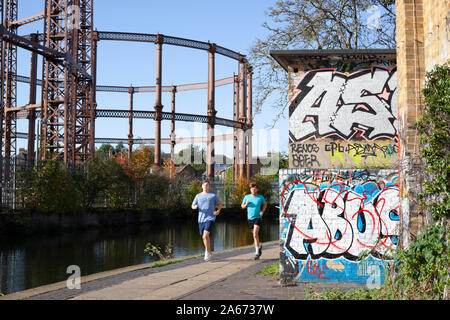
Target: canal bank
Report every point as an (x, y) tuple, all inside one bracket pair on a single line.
[(31, 261)]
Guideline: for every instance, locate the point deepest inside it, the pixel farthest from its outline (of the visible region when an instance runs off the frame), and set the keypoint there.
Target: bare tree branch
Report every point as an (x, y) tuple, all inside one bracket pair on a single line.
[(314, 24)]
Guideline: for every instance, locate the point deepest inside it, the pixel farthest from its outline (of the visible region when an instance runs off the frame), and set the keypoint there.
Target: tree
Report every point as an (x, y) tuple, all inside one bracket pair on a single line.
[(141, 161), (104, 148), (316, 24), (120, 148), (49, 187)]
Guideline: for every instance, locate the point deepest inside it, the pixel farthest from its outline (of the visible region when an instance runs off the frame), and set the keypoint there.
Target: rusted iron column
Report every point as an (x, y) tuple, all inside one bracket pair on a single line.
[(130, 123), (172, 126), (236, 131), (158, 105), (10, 14), (2, 101), (93, 91), (32, 112), (242, 117), (56, 95), (8, 119), (172, 135), (249, 122), (211, 113)]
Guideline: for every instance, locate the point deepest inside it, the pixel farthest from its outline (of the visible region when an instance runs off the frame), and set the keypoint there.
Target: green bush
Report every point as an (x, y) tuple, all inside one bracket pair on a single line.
[(239, 190), (435, 137), (195, 187), (47, 187), (154, 191)]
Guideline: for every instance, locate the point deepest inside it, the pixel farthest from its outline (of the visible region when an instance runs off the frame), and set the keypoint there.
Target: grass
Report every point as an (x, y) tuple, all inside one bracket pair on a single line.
[(272, 270), (167, 262)]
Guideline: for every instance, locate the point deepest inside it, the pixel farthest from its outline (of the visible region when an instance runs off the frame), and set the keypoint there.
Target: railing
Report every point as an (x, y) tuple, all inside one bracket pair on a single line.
[(182, 42)]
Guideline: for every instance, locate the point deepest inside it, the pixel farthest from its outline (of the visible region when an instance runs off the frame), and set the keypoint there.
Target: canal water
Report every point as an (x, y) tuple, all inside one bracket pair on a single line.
[(39, 260)]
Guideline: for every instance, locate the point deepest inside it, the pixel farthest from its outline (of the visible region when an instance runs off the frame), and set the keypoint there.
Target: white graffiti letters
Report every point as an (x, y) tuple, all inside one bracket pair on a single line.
[(339, 221), (328, 103)]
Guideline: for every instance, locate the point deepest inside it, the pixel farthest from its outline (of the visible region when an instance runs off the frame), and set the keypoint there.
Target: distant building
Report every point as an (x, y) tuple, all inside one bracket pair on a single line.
[(188, 171)]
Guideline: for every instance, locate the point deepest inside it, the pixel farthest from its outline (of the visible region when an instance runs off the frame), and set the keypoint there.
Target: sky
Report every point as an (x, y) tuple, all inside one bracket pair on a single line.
[(231, 24)]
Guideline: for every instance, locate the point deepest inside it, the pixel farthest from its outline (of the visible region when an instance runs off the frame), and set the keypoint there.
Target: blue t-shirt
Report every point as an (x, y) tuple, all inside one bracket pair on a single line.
[(206, 206), (254, 207)]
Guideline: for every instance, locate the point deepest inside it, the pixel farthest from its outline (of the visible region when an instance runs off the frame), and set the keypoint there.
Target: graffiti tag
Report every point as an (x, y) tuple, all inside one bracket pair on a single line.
[(362, 104), (340, 218)]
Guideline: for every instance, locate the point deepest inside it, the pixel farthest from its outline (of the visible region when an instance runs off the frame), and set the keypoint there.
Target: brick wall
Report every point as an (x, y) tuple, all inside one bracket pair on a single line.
[(423, 39)]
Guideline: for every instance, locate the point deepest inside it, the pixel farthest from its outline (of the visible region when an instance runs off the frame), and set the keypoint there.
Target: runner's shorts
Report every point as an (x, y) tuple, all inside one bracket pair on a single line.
[(257, 221), (207, 225)]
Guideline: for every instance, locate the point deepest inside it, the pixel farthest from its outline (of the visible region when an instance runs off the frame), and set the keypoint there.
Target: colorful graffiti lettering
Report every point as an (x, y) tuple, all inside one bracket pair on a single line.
[(334, 213), (318, 269), (362, 104)]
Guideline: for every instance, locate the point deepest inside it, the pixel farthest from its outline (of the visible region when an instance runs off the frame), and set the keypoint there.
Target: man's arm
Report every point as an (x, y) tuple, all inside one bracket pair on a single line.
[(263, 209), (219, 207), (244, 204), (194, 205)]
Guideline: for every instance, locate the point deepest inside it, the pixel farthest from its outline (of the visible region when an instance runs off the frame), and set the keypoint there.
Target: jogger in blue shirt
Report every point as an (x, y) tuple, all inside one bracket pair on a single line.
[(206, 203)]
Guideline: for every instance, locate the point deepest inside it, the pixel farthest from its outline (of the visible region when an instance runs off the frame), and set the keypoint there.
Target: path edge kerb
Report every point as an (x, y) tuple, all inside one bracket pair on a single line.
[(104, 274)]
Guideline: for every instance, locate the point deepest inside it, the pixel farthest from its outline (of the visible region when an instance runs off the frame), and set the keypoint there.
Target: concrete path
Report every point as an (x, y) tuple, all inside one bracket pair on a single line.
[(167, 285)]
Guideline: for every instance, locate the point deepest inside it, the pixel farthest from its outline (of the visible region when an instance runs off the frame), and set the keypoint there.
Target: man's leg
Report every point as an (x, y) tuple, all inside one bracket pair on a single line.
[(207, 243), (256, 235), (258, 248), (206, 240)]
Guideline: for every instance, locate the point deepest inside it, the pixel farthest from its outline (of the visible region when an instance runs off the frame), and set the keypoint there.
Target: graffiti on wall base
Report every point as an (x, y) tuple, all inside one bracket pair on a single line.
[(329, 217)]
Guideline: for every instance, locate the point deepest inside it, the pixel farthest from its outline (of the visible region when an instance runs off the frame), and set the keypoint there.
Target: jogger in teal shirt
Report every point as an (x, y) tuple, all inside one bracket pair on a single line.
[(256, 205)]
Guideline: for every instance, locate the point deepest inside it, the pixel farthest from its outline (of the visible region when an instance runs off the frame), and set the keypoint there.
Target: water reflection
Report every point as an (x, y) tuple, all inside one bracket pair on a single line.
[(32, 262)]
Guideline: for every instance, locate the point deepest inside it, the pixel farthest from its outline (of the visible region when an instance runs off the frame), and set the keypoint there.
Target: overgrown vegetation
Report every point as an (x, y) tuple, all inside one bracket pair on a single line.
[(241, 189), (102, 183), (163, 253), (421, 271), (272, 270), (112, 181)]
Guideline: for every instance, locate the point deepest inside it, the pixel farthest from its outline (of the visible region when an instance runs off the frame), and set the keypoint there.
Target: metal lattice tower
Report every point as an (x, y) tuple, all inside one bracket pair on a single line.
[(68, 94), (82, 44), (8, 96), (56, 103)]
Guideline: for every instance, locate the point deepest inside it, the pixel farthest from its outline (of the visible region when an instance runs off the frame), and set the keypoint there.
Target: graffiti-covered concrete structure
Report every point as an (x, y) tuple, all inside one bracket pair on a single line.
[(339, 199)]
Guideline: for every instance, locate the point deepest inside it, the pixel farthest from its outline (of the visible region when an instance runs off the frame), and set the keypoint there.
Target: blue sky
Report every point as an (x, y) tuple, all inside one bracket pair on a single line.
[(232, 24)]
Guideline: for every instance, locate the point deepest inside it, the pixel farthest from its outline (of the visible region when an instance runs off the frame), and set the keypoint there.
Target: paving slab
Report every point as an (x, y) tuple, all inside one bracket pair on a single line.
[(171, 284)]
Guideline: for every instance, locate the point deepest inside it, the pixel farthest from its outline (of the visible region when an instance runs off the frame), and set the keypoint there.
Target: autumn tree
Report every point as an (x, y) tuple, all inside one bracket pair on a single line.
[(141, 161)]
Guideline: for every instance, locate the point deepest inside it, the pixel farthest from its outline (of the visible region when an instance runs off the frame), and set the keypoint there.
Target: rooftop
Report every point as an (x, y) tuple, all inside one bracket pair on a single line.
[(299, 58)]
